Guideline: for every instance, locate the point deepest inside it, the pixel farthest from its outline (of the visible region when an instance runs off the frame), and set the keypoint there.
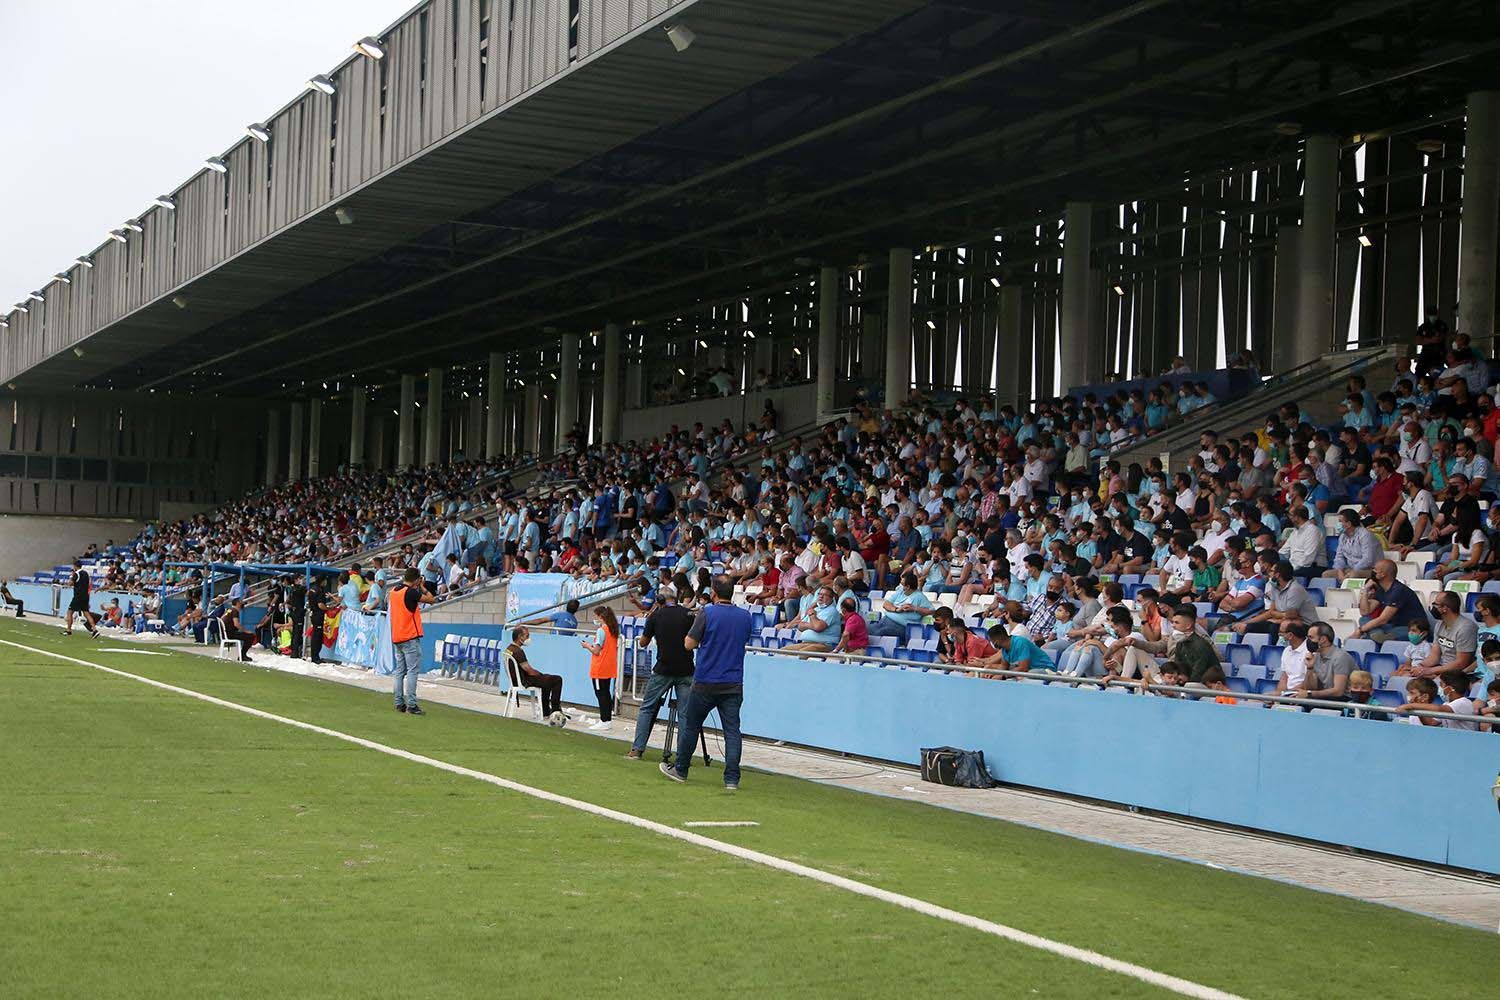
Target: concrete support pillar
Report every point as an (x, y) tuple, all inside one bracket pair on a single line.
[(273, 445), (377, 451), (359, 431), (1285, 296), (828, 337), (1011, 333), (898, 329), (1476, 251), (432, 419), (474, 427), (1320, 197), (1078, 349), (406, 424), (494, 398), (314, 438), (531, 419), (567, 391), (294, 453), (609, 402), (635, 385)]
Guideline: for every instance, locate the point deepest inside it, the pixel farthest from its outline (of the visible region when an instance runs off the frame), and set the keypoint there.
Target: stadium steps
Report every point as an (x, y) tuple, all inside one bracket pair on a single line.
[(1317, 385)]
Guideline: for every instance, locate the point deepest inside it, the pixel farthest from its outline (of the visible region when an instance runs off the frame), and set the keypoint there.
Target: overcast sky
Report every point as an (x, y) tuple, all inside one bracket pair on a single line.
[(108, 103)]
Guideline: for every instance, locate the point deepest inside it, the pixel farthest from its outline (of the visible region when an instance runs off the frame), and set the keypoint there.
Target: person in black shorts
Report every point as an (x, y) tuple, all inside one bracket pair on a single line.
[(80, 604), (6, 598)]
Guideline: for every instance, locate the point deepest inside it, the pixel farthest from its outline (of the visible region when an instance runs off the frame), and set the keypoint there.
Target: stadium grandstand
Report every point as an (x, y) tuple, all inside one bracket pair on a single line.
[(1108, 387)]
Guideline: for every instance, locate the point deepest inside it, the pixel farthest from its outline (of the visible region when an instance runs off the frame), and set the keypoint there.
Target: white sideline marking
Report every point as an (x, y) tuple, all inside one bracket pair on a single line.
[(725, 822), (1185, 987), (134, 652)]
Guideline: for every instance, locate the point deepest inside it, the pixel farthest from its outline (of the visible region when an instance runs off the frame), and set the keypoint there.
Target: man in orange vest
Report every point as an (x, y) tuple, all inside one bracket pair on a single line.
[(406, 636)]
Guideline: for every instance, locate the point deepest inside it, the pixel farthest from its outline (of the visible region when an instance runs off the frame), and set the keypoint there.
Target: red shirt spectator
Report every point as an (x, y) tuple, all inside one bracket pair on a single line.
[(1385, 494), (856, 634)]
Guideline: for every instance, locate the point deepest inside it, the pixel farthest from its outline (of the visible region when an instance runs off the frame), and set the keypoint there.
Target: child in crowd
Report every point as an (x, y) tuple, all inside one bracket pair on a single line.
[(1491, 706), (1418, 645), (1213, 679)]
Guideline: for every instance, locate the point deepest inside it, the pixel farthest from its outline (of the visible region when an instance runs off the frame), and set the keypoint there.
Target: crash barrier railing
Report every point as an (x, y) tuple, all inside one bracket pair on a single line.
[(1188, 692)]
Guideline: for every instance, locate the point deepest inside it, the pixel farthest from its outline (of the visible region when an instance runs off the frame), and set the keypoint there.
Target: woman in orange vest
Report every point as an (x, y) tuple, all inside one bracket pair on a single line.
[(602, 663)]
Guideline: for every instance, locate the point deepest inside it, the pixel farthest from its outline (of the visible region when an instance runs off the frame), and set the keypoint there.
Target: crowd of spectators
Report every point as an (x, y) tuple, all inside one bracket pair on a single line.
[(1014, 535)]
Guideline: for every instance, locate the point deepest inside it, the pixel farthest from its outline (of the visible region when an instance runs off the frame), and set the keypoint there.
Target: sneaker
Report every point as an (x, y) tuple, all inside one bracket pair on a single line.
[(731, 788), (599, 726), (401, 709), (634, 755), (415, 710), (671, 772)]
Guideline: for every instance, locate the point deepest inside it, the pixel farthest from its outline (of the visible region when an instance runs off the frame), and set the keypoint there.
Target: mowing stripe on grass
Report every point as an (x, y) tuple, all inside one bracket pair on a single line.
[(1183, 986)]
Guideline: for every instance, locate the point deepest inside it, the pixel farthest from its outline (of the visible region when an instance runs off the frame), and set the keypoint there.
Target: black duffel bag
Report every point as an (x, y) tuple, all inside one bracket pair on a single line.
[(956, 768)]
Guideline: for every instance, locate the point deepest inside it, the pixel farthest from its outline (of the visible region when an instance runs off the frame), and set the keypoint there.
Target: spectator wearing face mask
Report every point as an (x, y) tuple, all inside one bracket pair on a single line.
[(820, 627), (1421, 694), (1328, 672), (1358, 549), (1286, 600), (1455, 640)]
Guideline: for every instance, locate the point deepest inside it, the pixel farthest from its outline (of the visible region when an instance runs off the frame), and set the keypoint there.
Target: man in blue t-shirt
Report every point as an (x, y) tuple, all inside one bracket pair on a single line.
[(719, 636)]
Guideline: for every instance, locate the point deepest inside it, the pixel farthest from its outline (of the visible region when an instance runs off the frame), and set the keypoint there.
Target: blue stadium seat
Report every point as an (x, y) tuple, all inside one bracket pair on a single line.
[(1318, 597), (1318, 583), (1255, 639), (1251, 672), (1270, 658), (1359, 647), (1382, 665), (1128, 578), (1267, 686), (1238, 684), (1239, 655), (883, 645), (1490, 587), (1391, 699)]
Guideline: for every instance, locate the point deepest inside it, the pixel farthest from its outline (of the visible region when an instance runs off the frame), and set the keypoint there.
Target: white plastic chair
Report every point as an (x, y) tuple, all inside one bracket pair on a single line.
[(519, 688)]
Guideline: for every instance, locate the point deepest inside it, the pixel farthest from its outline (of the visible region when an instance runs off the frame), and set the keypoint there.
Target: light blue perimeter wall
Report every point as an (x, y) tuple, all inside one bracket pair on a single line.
[(1414, 791)]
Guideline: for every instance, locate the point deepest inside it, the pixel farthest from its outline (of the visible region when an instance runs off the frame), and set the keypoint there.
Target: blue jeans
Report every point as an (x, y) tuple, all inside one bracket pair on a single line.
[(657, 689), (408, 665), (700, 702), (888, 627)]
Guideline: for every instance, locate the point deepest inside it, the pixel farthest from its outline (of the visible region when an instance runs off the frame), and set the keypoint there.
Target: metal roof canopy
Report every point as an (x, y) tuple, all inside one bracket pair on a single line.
[(632, 86), (767, 141)]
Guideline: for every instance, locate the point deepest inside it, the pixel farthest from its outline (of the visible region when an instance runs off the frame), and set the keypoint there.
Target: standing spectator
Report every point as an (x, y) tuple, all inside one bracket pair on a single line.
[(80, 602), (603, 662), (668, 626), (719, 635), (407, 599)]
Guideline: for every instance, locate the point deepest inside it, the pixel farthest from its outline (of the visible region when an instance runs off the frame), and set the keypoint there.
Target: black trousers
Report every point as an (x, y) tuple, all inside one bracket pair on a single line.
[(297, 636), (20, 607), (551, 687), (247, 639), (1272, 629), (315, 640), (604, 693)]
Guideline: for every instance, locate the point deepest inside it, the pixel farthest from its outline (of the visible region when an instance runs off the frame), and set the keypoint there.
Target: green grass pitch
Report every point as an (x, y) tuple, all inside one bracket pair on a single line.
[(152, 845)]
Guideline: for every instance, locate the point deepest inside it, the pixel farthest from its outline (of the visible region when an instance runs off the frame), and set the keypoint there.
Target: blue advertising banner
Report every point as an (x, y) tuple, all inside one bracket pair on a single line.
[(529, 593), (365, 640)]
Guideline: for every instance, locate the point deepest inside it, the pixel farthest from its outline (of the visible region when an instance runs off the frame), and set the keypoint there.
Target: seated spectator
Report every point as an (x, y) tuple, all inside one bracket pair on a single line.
[(549, 684), (1015, 650), (1214, 680), (1296, 659), (1327, 676), (963, 646), (820, 627), (856, 637), (1418, 646), (1386, 605), (113, 617), (1358, 549), (1421, 694), (905, 606), (1361, 698), (1286, 601)]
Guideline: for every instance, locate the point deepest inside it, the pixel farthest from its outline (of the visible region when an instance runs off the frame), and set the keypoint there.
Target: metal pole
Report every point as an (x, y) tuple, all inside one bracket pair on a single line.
[(1476, 253), (828, 338), (898, 329), (1320, 190)]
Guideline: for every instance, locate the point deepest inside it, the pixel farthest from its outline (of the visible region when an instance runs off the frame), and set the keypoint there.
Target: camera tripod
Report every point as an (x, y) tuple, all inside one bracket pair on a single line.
[(668, 755)]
